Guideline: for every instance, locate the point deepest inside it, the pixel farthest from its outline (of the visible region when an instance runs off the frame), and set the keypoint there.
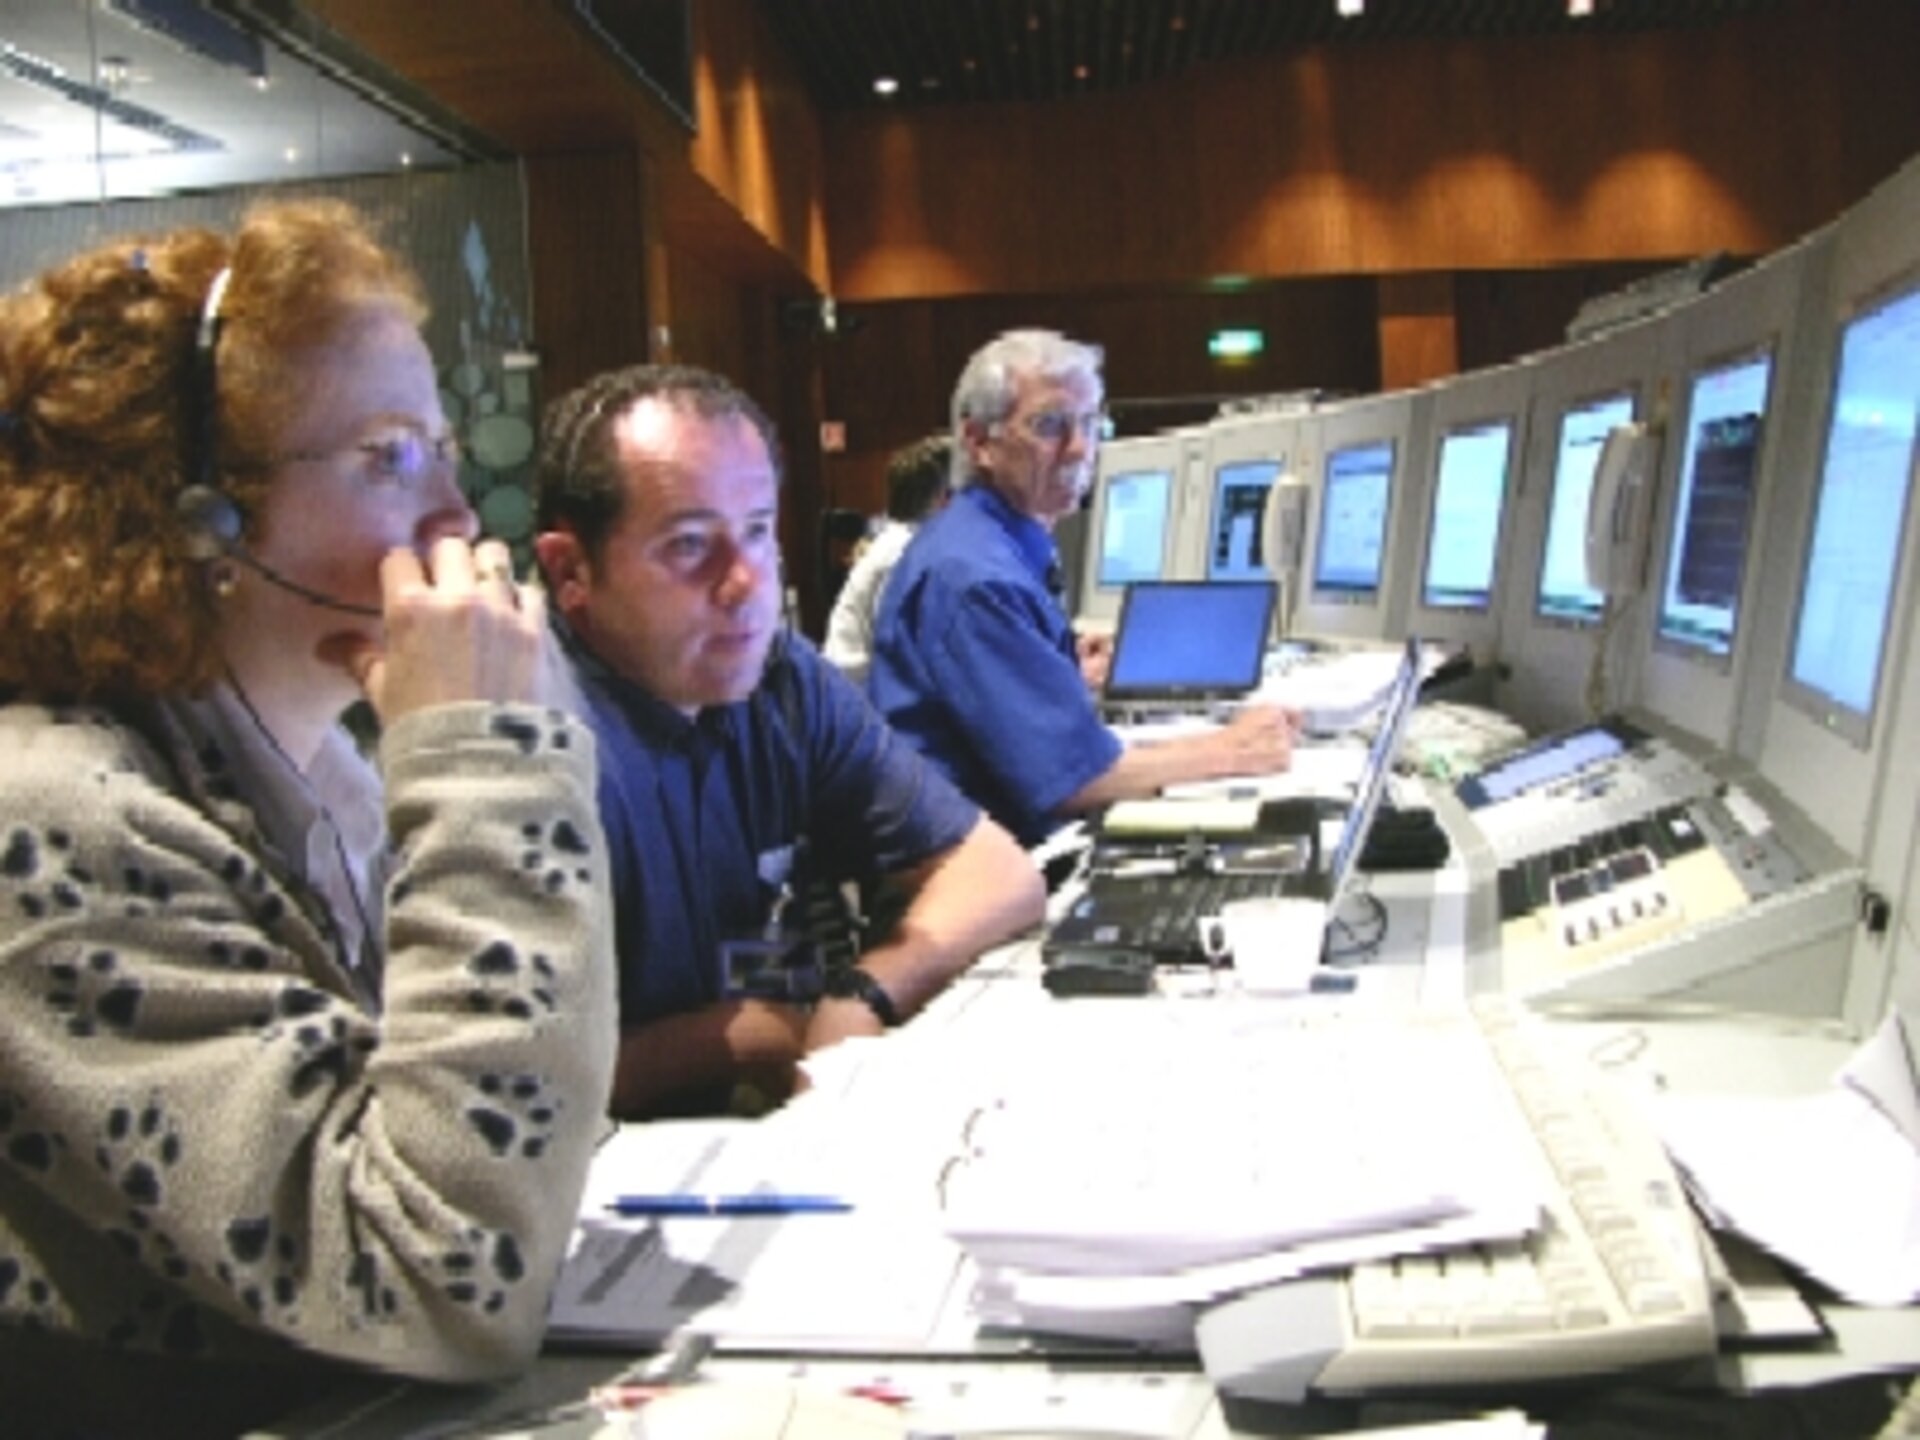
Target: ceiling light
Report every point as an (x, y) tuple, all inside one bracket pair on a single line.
[(1577, 8), (1350, 8), (885, 85)]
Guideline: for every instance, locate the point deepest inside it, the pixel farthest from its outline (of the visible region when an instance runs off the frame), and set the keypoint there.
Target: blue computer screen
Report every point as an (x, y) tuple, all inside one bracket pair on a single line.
[(1564, 591), (1353, 518), (1133, 530), (1470, 486), (1239, 502), (1854, 555), (1700, 601)]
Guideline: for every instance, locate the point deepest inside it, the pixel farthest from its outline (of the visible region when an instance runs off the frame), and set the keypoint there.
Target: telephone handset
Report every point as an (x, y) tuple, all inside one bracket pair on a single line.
[(1620, 509), (1284, 526)]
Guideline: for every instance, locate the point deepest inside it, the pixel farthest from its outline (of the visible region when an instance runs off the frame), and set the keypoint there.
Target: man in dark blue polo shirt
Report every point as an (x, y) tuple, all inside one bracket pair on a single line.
[(732, 758), (974, 661)]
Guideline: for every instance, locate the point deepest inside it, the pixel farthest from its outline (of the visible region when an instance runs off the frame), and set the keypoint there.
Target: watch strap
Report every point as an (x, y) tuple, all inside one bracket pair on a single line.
[(853, 983)]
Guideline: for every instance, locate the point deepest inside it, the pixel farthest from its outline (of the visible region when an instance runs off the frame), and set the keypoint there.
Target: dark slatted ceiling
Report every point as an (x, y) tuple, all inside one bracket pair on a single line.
[(945, 52)]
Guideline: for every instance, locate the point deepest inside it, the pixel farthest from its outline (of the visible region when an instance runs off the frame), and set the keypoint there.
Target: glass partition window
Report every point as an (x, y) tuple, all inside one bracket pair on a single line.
[(1133, 529), (1470, 488), (1846, 590), (1713, 513), (1239, 502), (1564, 591), (1353, 518)]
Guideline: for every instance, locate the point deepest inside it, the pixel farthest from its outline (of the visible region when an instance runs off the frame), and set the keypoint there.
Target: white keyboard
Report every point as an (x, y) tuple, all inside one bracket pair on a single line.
[(1613, 1278)]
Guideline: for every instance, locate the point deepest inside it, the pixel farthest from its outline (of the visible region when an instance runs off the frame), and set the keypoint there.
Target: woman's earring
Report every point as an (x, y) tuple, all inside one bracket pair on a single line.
[(225, 576)]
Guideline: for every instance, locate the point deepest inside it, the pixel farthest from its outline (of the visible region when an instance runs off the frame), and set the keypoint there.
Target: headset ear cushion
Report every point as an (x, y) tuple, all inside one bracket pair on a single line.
[(210, 520)]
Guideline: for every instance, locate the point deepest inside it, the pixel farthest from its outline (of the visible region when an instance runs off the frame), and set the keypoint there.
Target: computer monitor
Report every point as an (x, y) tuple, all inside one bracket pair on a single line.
[(1354, 500), (1469, 492), (1564, 593), (1713, 508), (1853, 553), (1236, 540), (1133, 528)]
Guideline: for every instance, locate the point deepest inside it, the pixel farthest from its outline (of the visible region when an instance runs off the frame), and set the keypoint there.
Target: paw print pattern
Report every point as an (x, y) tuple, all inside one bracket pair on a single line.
[(262, 1267), (159, 1321), (94, 994), (137, 1149), (483, 1269), (326, 1048), (514, 1114), (507, 983), (551, 849), (26, 1299), (39, 867), (529, 737), (24, 1146)]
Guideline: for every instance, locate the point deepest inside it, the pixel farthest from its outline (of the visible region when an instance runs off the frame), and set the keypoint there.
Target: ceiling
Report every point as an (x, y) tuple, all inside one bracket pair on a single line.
[(112, 99), (945, 52), (108, 99)]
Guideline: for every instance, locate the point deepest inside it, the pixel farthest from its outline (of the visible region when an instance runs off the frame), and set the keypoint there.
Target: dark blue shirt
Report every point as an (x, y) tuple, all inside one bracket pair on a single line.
[(974, 664), (703, 816)]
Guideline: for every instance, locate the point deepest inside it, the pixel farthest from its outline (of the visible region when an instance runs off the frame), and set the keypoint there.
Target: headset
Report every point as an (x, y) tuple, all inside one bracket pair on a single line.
[(211, 522)]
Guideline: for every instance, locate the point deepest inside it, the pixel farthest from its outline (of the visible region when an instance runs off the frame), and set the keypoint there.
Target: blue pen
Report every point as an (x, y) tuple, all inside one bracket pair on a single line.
[(728, 1205)]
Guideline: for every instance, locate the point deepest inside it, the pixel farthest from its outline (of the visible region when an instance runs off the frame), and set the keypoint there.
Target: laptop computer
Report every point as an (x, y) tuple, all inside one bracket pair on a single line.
[(1125, 923), (1189, 642)]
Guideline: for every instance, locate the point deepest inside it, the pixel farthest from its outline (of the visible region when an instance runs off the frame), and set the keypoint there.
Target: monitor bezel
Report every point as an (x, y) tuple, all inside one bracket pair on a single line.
[(1585, 401), (1855, 727), (1511, 420), (1767, 349), (1356, 594)]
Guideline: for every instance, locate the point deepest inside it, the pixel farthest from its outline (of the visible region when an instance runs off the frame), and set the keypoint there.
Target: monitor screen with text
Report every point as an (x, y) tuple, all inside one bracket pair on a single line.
[(1353, 518), (1713, 507), (1239, 501), (1133, 529), (1469, 490), (1853, 556)]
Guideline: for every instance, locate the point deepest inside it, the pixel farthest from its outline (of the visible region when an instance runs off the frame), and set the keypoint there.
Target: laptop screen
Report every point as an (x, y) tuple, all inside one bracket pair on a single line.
[(1190, 640), (1373, 778)]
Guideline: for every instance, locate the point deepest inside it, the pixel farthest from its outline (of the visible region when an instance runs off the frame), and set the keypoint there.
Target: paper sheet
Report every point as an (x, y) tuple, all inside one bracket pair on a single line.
[(1830, 1182)]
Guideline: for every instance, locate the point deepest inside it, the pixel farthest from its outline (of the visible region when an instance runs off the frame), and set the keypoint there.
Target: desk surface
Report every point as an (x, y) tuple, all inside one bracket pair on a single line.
[(1085, 1393), (1423, 963)]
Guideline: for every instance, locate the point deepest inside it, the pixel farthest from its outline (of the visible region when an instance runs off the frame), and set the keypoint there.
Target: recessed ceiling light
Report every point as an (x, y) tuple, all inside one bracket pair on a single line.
[(1350, 8), (1577, 8), (885, 85)]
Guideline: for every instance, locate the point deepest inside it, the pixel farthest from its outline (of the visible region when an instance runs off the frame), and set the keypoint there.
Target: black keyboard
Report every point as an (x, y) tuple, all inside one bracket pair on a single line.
[(1156, 915)]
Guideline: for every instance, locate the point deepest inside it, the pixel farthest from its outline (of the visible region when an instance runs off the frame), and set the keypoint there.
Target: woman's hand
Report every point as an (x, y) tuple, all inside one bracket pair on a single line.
[(457, 628)]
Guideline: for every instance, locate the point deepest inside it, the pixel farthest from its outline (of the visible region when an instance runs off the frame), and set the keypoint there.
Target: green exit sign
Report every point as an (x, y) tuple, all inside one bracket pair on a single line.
[(1236, 344)]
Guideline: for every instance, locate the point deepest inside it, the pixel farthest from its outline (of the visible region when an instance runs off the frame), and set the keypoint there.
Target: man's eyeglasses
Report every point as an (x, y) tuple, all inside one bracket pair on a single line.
[(1056, 427), (403, 458)]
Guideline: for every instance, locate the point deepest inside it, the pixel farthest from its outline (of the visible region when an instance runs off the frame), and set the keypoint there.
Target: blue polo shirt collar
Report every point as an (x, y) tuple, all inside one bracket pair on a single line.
[(666, 725), (1028, 535)]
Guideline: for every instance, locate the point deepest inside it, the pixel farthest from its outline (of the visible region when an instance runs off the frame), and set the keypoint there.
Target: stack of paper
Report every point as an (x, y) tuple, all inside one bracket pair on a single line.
[(1830, 1182), (1171, 1155)]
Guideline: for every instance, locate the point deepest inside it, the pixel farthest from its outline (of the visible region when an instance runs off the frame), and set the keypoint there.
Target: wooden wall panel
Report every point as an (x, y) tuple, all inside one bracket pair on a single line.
[(890, 378), (1419, 332), (588, 262), (1384, 158)]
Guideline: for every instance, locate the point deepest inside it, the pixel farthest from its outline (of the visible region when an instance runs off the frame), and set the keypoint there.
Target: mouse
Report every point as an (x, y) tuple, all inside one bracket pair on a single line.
[(765, 1410)]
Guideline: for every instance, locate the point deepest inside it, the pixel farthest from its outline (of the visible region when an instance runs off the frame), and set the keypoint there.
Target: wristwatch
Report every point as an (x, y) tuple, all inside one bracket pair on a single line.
[(850, 982)]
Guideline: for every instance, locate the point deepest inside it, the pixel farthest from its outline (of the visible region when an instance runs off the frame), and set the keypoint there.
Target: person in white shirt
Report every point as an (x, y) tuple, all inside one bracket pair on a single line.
[(917, 485)]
